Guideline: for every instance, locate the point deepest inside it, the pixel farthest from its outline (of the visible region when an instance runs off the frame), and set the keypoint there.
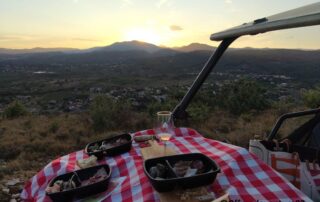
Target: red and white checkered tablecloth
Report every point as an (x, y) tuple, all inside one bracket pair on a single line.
[(243, 176)]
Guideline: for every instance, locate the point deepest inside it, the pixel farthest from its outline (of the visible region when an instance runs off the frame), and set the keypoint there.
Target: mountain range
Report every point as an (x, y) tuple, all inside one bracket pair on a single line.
[(35, 50), (143, 58), (118, 46)]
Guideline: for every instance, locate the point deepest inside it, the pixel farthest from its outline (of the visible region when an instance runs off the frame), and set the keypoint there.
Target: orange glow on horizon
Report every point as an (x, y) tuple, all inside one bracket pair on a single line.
[(142, 34), (90, 23)]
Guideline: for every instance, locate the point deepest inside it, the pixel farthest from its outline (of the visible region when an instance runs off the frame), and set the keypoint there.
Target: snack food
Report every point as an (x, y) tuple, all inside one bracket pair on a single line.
[(143, 138), (107, 145), (158, 171), (75, 182), (88, 162), (188, 168)]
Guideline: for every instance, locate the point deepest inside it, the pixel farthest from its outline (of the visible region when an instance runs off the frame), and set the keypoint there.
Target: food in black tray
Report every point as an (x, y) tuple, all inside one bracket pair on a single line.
[(110, 147), (79, 184), (107, 144), (144, 138), (87, 162), (159, 172), (61, 185), (188, 168), (75, 182), (183, 170), (99, 176)]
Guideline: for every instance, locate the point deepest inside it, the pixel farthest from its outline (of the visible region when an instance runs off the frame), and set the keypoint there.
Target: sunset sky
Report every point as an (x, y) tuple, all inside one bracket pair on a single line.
[(90, 23)]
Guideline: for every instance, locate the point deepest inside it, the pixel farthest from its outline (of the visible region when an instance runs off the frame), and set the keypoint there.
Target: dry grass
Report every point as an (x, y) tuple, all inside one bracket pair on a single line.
[(29, 143), (239, 130)]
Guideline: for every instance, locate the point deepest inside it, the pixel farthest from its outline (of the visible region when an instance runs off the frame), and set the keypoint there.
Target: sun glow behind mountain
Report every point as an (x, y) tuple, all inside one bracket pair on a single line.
[(89, 23), (143, 34)]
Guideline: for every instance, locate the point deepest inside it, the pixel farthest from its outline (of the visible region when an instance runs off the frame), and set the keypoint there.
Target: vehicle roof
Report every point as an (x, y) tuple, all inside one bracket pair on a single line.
[(304, 16)]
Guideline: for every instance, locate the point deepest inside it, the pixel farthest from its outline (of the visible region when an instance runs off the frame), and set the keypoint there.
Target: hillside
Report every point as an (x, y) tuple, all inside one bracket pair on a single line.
[(132, 66), (57, 89), (35, 50), (194, 47), (152, 60)]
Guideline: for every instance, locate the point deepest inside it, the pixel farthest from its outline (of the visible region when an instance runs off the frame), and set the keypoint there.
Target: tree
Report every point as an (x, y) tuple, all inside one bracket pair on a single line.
[(311, 98), (199, 112), (107, 113), (243, 95), (14, 110)]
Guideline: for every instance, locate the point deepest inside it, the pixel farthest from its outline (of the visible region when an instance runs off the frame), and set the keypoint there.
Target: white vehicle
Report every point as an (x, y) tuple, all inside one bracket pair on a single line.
[(296, 156)]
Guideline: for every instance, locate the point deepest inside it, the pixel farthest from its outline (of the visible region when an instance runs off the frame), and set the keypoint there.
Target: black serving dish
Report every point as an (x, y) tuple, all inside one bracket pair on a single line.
[(211, 169), (113, 150), (83, 191)]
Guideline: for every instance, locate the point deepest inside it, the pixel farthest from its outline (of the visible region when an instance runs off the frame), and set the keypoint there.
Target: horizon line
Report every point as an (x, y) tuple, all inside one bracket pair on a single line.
[(160, 46)]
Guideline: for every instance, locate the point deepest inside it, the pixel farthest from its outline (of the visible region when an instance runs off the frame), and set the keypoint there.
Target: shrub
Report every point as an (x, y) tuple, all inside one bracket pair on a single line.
[(284, 106), (242, 96), (4, 171), (100, 111), (53, 128), (14, 110), (199, 112), (311, 98), (9, 150), (27, 124), (107, 113)]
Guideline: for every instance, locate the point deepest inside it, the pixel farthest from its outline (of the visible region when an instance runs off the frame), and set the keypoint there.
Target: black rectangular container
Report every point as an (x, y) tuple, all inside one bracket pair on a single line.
[(111, 151), (166, 185), (84, 191)]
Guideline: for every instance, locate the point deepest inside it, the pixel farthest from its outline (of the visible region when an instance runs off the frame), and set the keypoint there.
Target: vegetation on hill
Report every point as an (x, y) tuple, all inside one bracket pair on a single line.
[(69, 100), (311, 97), (14, 110), (29, 142), (243, 96), (109, 114)]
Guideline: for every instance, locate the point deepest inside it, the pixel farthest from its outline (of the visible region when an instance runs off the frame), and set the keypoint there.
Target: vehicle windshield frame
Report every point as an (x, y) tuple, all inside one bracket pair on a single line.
[(227, 37)]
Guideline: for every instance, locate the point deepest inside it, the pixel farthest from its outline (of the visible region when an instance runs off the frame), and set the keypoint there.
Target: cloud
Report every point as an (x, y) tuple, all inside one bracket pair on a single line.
[(85, 39), (228, 1), (175, 28), (14, 37), (8, 38)]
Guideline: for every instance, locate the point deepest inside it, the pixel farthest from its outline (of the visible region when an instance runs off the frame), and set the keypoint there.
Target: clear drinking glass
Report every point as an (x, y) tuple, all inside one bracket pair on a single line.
[(164, 127)]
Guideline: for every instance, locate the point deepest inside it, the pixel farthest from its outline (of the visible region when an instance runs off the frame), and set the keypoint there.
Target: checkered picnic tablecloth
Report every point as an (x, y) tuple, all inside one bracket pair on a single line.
[(243, 176)]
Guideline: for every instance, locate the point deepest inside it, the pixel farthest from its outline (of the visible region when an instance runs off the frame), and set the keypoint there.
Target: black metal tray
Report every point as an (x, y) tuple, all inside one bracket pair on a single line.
[(111, 151), (83, 191), (169, 184)]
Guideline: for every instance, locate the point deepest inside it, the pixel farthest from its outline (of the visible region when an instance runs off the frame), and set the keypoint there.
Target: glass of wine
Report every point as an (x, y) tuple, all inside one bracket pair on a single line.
[(164, 127)]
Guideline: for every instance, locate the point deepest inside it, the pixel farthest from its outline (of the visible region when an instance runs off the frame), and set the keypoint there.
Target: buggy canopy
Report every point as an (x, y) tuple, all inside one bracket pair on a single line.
[(300, 17)]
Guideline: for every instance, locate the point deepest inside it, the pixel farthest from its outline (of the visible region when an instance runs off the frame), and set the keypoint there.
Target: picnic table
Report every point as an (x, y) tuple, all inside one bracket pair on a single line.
[(243, 176)]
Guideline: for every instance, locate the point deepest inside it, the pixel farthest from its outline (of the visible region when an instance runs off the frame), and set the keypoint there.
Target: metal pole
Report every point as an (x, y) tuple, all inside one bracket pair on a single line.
[(179, 111), (284, 117)]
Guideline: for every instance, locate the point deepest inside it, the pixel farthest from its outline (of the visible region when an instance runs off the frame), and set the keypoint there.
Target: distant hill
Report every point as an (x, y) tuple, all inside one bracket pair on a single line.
[(194, 47), (144, 58), (118, 46), (35, 50), (129, 46)]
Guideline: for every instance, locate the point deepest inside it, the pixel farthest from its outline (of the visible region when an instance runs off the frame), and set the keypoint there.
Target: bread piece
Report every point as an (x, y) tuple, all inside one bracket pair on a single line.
[(89, 162)]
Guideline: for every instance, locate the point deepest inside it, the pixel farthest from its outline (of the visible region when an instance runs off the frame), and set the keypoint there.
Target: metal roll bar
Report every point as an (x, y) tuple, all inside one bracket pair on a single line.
[(179, 111)]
